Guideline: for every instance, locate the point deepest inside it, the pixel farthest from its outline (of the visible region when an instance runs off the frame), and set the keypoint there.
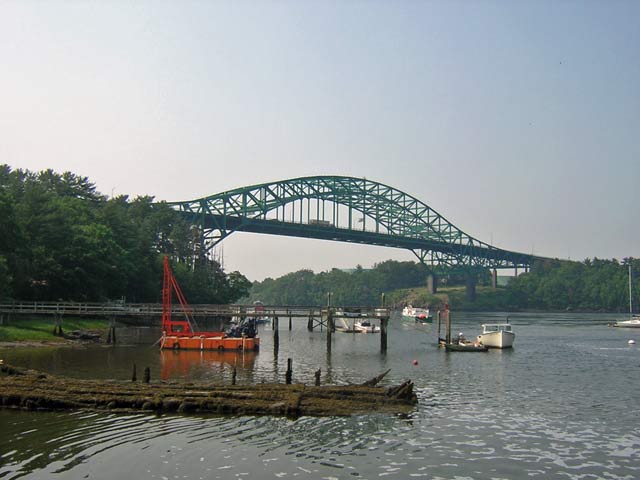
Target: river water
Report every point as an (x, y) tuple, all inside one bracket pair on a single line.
[(563, 403)]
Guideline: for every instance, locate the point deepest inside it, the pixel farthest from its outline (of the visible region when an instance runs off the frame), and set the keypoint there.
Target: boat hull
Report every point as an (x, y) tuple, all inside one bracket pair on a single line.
[(366, 328), (497, 339), (417, 318), (195, 342), (628, 324), (456, 347)]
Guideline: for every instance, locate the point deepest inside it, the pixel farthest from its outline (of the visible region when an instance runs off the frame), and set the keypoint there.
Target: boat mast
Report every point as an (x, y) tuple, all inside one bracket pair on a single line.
[(630, 295)]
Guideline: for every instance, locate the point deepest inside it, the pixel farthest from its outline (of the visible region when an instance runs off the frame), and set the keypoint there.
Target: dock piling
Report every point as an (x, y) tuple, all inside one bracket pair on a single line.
[(147, 375), (276, 335), (329, 328), (317, 374), (448, 325), (383, 328), (134, 376), (383, 335), (289, 373)]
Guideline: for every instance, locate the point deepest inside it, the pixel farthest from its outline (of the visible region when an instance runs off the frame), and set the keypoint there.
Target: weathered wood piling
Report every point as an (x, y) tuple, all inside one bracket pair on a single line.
[(32, 390)]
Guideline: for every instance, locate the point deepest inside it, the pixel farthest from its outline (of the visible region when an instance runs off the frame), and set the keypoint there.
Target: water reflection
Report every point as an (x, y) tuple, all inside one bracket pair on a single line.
[(190, 363)]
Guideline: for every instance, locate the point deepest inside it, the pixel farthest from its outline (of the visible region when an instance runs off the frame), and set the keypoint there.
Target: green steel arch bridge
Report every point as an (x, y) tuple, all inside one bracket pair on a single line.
[(345, 209)]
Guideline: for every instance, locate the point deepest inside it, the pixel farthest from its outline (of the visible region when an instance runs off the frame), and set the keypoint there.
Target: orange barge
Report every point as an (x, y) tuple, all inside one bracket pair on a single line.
[(202, 341), (183, 335)]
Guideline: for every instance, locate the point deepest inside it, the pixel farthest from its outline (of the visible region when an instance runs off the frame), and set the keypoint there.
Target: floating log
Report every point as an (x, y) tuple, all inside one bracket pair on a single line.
[(32, 390)]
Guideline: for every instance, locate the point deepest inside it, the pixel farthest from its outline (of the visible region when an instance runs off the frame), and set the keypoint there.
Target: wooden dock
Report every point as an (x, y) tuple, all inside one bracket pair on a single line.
[(317, 317)]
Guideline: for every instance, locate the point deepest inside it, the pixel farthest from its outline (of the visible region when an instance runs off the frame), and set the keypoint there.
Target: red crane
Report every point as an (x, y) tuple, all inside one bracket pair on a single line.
[(175, 327), (184, 334)]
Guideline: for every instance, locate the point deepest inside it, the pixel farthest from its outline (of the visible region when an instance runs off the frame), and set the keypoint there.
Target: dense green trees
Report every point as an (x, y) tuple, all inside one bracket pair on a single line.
[(592, 285), (61, 239), (357, 287)]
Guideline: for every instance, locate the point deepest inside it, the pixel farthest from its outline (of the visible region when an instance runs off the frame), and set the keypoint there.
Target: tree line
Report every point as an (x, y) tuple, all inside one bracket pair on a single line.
[(356, 287), (591, 285), (60, 239)]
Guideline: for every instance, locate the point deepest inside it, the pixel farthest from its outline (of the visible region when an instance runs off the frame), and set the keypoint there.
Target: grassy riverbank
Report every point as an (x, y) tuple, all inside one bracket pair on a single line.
[(41, 329)]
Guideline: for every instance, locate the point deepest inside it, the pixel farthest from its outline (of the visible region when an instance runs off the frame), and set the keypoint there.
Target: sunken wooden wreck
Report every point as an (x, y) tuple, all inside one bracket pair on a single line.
[(32, 390)]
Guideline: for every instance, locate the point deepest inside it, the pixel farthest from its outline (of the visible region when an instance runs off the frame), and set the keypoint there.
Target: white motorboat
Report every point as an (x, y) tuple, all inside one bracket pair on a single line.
[(497, 335), (418, 315), (634, 320), (365, 326)]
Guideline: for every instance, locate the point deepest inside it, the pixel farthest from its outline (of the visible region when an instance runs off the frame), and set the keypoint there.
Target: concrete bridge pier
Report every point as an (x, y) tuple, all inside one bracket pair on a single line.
[(471, 287), (432, 283), (494, 278)]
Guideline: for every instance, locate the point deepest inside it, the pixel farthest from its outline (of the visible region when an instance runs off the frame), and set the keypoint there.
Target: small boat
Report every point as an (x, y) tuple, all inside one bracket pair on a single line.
[(417, 315), (634, 320), (341, 325), (365, 326), (497, 335), (461, 344), (465, 347)]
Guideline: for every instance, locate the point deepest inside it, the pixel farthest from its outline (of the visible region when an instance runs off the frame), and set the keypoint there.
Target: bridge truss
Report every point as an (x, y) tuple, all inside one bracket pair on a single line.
[(346, 209)]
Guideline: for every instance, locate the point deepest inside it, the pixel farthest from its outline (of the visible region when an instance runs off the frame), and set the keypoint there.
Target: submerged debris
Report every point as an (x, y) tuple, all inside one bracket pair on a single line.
[(32, 390)]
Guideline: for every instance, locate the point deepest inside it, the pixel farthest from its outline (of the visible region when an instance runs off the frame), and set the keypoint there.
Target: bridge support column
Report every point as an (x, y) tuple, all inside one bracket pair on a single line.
[(471, 287), (310, 323), (494, 278), (432, 283)]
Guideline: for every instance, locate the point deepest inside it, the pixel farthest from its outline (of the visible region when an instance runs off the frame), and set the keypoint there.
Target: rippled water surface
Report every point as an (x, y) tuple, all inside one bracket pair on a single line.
[(563, 403)]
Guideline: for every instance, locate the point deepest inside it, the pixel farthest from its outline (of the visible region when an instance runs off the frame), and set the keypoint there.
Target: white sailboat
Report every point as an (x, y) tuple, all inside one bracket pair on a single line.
[(634, 320)]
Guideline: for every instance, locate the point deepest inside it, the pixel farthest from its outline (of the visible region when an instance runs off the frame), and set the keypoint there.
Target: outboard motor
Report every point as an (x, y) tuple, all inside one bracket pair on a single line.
[(246, 328)]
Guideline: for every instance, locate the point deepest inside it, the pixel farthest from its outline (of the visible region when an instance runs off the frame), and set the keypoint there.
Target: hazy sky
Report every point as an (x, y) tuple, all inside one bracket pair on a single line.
[(518, 121)]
